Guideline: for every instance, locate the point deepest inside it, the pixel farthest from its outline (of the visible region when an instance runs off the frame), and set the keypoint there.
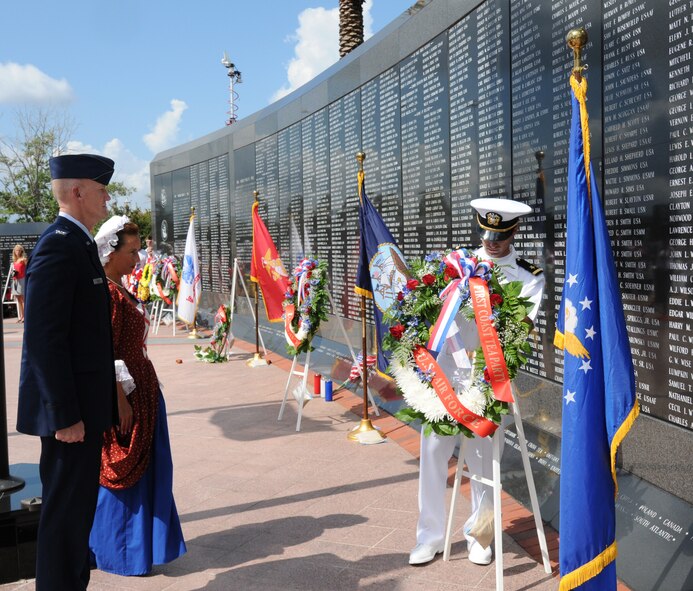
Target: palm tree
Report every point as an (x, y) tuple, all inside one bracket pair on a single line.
[(350, 25)]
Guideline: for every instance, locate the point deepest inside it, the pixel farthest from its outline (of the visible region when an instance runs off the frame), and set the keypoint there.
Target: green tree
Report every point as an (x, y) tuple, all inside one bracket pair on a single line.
[(25, 178), (141, 217), (25, 190)]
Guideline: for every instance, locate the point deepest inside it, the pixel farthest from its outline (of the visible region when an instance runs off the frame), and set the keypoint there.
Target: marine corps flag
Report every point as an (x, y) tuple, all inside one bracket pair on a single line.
[(190, 282), (382, 270), (599, 403), (267, 270)]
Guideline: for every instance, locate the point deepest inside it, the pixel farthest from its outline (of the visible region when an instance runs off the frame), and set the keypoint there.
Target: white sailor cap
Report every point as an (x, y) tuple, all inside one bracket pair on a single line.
[(497, 218)]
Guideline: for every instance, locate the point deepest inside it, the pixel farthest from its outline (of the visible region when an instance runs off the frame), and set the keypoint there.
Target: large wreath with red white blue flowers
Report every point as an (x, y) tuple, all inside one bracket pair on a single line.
[(305, 305), (417, 314)]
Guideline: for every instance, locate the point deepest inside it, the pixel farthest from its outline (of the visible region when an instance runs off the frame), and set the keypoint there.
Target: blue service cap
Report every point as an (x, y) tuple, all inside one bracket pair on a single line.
[(82, 166)]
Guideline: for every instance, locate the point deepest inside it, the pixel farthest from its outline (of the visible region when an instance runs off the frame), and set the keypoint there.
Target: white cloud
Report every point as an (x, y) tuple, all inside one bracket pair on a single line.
[(316, 45), (130, 170), (166, 128), (27, 84)]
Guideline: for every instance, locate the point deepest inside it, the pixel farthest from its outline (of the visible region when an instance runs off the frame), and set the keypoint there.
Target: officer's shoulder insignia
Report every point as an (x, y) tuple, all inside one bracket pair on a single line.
[(527, 266), (61, 232)]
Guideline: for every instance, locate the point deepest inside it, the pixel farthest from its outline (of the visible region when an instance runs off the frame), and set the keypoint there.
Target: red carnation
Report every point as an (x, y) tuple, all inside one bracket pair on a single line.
[(428, 279), (400, 296), (496, 299), (397, 331), (412, 283), (487, 376), (450, 271)]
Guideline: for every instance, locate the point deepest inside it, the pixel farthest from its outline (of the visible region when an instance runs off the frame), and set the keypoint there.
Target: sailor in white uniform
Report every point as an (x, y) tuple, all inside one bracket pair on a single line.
[(498, 220)]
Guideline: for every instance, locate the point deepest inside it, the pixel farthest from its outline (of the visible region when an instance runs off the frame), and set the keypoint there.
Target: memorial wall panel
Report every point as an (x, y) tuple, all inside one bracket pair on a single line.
[(243, 187), (483, 109), (181, 182), (163, 212)]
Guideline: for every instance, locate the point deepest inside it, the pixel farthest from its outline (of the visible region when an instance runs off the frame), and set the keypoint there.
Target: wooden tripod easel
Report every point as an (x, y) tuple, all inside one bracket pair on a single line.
[(304, 374), (495, 483)]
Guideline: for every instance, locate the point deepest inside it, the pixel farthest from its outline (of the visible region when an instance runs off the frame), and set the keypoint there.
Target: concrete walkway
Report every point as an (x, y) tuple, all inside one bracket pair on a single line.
[(266, 508)]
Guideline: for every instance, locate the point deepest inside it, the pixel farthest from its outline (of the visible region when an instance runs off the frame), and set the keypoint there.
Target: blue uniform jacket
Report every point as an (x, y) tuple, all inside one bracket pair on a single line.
[(67, 372)]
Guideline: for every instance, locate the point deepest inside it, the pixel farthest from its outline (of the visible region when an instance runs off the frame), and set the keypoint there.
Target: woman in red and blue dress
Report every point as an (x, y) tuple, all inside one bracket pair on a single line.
[(136, 523)]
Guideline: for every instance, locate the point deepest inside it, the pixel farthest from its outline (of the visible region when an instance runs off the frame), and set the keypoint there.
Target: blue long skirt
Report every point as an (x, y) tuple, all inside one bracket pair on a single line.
[(137, 527)]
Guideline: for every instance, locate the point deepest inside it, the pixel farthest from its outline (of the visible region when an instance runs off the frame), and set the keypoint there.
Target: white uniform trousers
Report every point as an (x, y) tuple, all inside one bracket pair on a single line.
[(436, 451)]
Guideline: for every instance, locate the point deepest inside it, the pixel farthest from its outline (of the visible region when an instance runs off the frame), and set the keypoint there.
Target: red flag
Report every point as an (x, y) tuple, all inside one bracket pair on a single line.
[(267, 270)]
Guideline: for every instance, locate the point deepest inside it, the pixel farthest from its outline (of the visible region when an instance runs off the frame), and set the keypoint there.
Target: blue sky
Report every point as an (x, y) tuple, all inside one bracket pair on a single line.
[(140, 76)]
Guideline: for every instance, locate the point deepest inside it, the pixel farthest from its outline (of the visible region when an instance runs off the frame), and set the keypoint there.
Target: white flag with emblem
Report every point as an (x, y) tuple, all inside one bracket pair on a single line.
[(190, 283)]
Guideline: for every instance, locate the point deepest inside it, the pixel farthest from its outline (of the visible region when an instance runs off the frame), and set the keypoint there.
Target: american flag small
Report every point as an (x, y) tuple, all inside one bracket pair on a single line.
[(357, 368)]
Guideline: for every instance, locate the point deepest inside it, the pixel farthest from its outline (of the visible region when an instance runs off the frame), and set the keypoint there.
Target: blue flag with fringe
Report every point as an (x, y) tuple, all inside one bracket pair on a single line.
[(599, 404), (382, 270)]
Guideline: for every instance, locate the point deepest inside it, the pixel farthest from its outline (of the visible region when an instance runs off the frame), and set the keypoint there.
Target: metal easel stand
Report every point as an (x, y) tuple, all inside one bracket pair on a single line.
[(496, 485), (12, 301), (363, 367), (237, 272), (158, 310), (300, 392)]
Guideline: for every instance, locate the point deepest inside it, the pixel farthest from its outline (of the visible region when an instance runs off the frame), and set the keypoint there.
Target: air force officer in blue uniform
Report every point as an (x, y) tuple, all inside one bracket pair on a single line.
[(67, 392)]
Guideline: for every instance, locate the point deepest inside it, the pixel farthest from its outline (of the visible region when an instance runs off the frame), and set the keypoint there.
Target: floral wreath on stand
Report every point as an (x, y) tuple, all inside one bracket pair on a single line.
[(222, 339), (419, 322), (160, 287), (305, 305)]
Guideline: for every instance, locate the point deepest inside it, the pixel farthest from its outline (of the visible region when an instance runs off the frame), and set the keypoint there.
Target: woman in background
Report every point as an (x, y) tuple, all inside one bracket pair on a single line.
[(136, 523), (19, 261)]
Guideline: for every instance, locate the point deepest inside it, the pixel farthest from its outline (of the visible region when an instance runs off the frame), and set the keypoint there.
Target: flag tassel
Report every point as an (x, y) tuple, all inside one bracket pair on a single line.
[(589, 570)]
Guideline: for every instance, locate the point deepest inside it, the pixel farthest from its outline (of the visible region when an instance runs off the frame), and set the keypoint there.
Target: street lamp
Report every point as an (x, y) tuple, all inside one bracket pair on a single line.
[(234, 78)]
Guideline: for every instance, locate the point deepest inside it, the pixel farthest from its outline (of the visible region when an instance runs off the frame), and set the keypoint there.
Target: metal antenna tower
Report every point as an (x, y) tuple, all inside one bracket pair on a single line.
[(234, 78)]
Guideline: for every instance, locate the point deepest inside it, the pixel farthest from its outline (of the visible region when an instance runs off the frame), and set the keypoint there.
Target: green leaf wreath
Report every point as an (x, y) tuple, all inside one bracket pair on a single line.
[(308, 294)]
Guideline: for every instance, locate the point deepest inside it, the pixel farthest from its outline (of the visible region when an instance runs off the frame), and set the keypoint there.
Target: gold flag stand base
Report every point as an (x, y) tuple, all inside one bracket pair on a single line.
[(366, 433), (257, 361), (194, 334)]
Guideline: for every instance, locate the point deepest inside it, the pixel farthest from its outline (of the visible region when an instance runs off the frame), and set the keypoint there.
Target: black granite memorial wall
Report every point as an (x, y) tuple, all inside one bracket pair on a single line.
[(468, 99)]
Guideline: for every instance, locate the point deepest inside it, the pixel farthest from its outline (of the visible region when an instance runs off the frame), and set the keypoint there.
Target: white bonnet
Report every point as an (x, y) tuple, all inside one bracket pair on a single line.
[(106, 239)]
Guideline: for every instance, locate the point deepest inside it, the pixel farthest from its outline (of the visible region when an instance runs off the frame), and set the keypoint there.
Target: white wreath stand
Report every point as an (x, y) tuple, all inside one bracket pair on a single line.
[(496, 485), (302, 399), (158, 310), (12, 301)]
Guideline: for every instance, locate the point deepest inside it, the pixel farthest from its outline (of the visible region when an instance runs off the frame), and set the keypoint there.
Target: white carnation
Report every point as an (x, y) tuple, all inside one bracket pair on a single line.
[(474, 400), (423, 398)]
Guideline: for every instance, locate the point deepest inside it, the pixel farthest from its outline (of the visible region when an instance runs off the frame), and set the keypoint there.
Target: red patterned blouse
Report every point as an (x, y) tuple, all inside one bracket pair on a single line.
[(124, 458)]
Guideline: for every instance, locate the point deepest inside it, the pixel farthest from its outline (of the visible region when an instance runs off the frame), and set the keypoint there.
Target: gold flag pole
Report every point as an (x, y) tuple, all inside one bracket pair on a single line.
[(365, 432), (576, 40), (257, 359), (193, 331)]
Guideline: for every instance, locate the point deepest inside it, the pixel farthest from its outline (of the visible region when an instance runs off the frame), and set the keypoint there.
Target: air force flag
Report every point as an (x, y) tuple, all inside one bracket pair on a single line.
[(599, 403)]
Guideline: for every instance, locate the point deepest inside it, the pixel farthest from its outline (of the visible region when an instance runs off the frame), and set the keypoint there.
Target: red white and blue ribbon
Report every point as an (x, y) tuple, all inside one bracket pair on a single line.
[(301, 273), (455, 292)]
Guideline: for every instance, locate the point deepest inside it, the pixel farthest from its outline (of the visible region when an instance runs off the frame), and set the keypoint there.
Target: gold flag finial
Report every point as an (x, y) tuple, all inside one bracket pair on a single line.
[(576, 40), (360, 157), (256, 194)]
